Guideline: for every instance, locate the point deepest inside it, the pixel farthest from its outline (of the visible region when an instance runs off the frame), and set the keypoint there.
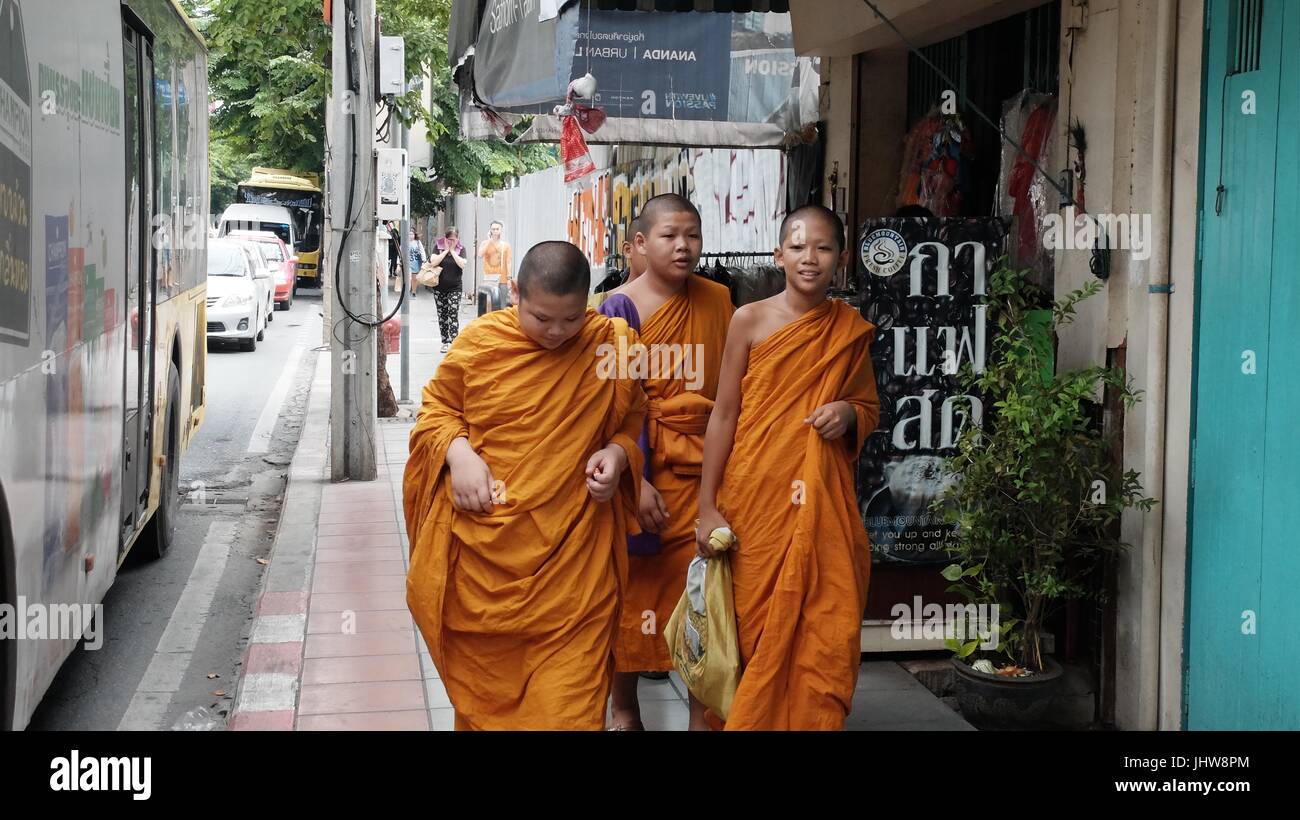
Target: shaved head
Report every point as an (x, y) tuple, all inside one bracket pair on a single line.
[(810, 212), (556, 268), (658, 207)]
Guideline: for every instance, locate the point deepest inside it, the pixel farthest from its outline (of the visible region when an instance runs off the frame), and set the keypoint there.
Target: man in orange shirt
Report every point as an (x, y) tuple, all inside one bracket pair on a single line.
[(495, 253)]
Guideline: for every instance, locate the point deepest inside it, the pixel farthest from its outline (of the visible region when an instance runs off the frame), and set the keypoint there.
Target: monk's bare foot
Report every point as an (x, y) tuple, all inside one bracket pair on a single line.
[(627, 709)]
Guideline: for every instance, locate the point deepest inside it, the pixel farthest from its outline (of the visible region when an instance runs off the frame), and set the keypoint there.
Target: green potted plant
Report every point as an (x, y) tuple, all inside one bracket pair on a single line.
[(1035, 497)]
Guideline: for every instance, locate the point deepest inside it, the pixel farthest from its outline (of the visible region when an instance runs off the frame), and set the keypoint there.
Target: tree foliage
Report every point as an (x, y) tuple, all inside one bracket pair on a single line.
[(1037, 498), (270, 72), (269, 69)]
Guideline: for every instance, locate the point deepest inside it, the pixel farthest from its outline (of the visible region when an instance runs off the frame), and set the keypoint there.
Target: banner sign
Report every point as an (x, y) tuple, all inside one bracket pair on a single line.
[(923, 284), (721, 80)]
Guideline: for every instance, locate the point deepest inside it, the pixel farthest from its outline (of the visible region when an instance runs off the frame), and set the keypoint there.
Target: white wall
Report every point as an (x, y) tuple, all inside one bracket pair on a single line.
[(740, 194)]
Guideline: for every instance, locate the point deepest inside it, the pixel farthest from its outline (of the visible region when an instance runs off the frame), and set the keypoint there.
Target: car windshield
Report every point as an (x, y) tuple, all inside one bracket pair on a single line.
[(271, 252), (225, 260)]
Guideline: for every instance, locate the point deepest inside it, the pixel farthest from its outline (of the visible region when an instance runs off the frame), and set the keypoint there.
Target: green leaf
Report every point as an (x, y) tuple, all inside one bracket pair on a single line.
[(953, 572)]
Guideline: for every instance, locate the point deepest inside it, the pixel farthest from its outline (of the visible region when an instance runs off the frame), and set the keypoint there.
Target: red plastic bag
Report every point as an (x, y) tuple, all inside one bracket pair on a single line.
[(573, 150)]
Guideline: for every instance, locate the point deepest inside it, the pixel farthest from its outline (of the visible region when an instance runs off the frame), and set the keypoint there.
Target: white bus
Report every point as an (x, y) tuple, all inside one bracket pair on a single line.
[(103, 216)]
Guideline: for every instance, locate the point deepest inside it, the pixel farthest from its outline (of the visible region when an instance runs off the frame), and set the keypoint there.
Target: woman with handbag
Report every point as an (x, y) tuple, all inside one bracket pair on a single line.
[(449, 265), (416, 257)]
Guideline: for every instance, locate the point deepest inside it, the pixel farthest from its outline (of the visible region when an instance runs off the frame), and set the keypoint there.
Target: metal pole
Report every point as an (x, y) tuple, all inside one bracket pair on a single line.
[(407, 279), (478, 197), (353, 384)]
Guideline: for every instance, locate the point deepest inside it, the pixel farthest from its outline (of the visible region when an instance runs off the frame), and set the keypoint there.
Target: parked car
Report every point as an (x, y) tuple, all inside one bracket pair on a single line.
[(282, 261), (239, 293), (273, 218)]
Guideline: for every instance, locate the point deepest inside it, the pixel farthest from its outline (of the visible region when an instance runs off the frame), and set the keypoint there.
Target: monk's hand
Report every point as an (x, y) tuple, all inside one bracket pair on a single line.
[(471, 478), (833, 420), (654, 512), (710, 520), (603, 469)]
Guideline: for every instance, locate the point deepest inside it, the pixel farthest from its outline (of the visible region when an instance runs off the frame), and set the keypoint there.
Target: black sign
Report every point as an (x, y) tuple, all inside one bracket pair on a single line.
[(923, 284)]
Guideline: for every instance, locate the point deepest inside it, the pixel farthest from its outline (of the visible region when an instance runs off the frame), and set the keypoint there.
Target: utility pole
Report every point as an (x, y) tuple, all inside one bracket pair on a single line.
[(353, 345), (408, 280)]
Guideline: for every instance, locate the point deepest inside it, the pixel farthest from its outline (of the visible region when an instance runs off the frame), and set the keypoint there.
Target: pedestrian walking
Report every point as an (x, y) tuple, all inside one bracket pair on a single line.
[(415, 258), (450, 257)]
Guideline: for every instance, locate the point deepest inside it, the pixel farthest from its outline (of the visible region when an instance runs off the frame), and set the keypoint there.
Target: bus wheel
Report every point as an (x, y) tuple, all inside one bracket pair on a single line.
[(162, 529)]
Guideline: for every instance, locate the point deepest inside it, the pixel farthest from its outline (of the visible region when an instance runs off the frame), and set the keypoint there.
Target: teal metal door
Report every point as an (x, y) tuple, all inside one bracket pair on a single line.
[(1243, 604)]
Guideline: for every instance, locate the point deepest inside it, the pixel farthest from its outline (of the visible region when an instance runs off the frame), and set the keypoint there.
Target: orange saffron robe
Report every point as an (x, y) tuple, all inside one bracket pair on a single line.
[(519, 607), (802, 564), (697, 316)]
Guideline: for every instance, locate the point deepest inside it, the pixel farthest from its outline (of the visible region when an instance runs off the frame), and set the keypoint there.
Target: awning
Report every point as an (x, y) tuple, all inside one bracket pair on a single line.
[(723, 80), (842, 28), (727, 6)]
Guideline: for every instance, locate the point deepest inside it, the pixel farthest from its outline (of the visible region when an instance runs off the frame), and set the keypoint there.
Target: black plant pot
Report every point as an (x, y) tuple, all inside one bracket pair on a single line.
[(993, 702)]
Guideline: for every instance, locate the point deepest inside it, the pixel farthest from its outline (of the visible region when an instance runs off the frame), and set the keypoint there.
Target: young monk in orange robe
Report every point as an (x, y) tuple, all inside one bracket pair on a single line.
[(521, 481), (682, 319), (796, 401)]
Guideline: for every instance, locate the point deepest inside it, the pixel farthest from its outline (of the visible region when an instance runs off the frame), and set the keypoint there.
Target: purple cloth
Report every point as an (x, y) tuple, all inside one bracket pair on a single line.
[(619, 306)]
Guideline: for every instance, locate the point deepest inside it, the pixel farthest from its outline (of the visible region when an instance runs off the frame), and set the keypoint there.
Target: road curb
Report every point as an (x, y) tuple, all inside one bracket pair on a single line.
[(267, 695)]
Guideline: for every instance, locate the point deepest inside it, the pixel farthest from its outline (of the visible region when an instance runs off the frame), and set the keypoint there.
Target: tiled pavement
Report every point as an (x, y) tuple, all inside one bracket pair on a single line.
[(333, 646)]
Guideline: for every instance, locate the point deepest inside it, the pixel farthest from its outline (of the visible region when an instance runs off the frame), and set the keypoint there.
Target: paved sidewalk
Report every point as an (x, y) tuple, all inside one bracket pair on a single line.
[(333, 645)]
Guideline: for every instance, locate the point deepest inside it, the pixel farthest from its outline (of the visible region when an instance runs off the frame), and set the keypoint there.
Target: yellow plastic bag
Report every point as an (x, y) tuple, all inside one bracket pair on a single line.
[(701, 633)]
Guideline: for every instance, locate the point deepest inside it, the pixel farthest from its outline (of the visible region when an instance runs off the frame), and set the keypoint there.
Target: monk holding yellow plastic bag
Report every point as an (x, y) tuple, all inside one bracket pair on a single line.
[(702, 630), (796, 401)]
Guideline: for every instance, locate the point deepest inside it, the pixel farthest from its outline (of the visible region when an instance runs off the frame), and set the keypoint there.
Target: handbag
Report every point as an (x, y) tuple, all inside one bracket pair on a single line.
[(429, 274)]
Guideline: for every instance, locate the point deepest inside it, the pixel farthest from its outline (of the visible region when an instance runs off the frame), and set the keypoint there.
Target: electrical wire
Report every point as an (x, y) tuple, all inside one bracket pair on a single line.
[(355, 81), (1219, 190)]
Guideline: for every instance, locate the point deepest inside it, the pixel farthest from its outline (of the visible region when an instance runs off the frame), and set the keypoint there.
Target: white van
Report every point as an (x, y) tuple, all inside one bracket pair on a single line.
[(274, 218)]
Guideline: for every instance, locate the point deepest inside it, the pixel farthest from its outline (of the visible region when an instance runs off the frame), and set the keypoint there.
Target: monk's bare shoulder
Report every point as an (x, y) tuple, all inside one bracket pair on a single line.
[(745, 322), (769, 316)]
